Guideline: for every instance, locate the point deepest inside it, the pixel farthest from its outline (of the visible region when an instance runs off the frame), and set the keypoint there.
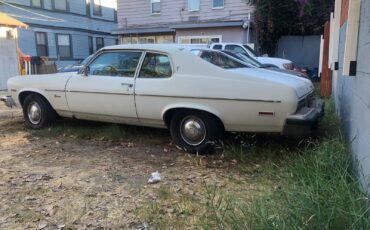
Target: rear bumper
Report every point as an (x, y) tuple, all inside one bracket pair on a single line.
[(306, 119), (8, 100)]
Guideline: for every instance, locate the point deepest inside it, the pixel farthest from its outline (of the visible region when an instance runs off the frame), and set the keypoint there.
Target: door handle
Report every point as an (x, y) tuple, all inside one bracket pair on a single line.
[(127, 84)]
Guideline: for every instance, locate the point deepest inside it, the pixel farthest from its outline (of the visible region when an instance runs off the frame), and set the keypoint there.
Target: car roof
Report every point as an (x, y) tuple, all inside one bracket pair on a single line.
[(227, 43), (166, 48), (154, 47)]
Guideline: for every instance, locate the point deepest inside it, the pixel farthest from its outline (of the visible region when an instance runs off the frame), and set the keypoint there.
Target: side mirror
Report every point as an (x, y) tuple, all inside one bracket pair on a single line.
[(86, 71)]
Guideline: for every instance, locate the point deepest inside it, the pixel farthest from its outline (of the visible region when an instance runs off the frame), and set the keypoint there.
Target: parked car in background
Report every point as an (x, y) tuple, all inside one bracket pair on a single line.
[(75, 67), (251, 61), (240, 48), (196, 93)]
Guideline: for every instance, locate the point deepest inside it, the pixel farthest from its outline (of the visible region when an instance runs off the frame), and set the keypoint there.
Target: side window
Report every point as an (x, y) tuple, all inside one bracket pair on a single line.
[(217, 47), (235, 48), (156, 66), (117, 64)]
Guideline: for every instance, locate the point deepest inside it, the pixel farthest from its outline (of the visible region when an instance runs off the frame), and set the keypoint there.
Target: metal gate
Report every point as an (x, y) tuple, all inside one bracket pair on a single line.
[(8, 61)]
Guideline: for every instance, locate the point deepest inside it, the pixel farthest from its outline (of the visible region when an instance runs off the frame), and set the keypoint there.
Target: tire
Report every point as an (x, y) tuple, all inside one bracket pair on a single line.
[(38, 112), (200, 142)]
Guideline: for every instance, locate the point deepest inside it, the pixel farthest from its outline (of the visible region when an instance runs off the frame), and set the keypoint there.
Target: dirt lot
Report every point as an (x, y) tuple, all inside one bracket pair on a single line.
[(57, 179)]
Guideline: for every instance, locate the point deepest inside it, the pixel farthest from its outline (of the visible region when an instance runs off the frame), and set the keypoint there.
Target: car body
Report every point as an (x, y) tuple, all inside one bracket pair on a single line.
[(240, 48), (251, 61), (196, 93)]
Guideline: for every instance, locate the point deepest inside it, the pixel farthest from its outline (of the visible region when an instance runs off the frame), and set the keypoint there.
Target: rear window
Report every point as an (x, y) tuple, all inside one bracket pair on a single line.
[(217, 47), (219, 59)]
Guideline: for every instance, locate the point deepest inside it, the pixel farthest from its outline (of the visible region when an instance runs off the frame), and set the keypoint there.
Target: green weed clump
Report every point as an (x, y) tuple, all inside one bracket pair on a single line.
[(315, 189)]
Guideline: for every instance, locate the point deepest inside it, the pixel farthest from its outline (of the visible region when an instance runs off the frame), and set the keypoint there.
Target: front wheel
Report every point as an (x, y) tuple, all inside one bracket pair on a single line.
[(37, 112), (195, 131)]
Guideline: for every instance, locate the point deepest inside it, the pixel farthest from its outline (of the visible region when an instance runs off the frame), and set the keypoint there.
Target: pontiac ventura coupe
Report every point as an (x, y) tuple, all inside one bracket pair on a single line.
[(196, 93)]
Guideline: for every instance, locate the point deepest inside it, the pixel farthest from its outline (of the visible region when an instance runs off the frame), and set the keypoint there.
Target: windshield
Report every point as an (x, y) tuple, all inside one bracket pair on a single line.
[(84, 62), (250, 50), (219, 59), (245, 58)]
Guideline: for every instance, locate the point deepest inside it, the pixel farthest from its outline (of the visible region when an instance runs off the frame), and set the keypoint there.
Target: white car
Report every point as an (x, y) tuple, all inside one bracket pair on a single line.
[(239, 48), (196, 93)]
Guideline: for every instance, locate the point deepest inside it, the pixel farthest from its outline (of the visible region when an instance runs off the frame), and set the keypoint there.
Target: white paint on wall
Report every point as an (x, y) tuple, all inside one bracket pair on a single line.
[(350, 53), (321, 54), (337, 15), (331, 44)]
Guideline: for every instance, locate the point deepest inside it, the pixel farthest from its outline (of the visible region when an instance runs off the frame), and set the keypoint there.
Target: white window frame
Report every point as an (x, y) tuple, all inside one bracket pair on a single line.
[(151, 6), (218, 7), (192, 37), (193, 10)]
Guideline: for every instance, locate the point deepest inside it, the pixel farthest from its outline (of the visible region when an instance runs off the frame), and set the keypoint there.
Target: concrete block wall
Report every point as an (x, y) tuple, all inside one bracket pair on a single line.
[(352, 97)]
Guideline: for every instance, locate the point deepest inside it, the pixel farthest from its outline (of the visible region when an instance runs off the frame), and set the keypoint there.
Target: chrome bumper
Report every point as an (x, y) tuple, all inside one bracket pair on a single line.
[(8, 100), (306, 118)]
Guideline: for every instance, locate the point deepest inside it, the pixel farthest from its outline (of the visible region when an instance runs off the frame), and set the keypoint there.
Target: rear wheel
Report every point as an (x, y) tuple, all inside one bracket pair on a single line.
[(37, 112), (195, 131)]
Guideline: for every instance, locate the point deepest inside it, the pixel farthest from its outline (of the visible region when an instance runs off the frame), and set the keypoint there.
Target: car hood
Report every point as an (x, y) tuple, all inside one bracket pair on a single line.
[(302, 86), (274, 61)]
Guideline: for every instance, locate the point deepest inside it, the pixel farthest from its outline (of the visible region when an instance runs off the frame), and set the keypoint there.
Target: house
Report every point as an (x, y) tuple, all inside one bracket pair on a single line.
[(65, 30), (184, 21), (349, 61), (9, 64)]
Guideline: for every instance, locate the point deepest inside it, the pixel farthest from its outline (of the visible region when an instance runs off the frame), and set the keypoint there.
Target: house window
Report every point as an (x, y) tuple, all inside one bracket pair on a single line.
[(97, 7), (36, 3), (160, 39), (64, 45), (88, 6), (218, 4), (61, 5), (91, 45), (41, 44), (146, 40), (200, 39), (156, 6), (99, 43), (194, 5)]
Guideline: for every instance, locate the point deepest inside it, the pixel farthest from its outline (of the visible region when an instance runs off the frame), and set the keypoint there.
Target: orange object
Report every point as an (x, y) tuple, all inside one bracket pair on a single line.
[(6, 20), (26, 58)]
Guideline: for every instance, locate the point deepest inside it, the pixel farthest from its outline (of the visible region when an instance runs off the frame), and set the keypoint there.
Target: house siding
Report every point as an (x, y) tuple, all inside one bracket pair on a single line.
[(136, 13), (74, 22), (352, 96), (136, 18)]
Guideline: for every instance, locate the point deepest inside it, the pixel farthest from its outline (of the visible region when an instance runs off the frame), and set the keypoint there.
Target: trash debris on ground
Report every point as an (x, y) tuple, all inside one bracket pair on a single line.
[(155, 178)]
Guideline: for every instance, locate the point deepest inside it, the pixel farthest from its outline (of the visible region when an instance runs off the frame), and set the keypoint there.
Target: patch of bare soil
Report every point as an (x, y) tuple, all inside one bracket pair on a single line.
[(72, 183)]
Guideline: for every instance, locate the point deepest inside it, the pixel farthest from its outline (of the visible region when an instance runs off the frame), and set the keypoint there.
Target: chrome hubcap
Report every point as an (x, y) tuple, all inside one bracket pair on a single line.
[(193, 130), (34, 113)]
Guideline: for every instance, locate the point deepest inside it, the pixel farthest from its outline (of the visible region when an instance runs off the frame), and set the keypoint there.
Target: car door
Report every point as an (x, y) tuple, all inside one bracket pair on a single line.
[(153, 84), (106, 91)]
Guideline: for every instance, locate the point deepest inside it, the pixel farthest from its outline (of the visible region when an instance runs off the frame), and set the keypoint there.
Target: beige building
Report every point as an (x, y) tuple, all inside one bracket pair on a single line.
[(184, 21)]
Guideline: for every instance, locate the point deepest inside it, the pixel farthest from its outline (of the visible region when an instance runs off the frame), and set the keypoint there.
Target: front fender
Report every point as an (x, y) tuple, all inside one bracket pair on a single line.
[(17, 96)]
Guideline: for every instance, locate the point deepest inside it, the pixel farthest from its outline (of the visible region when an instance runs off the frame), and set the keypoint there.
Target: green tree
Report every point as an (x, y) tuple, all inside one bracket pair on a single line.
[(275, 18)]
